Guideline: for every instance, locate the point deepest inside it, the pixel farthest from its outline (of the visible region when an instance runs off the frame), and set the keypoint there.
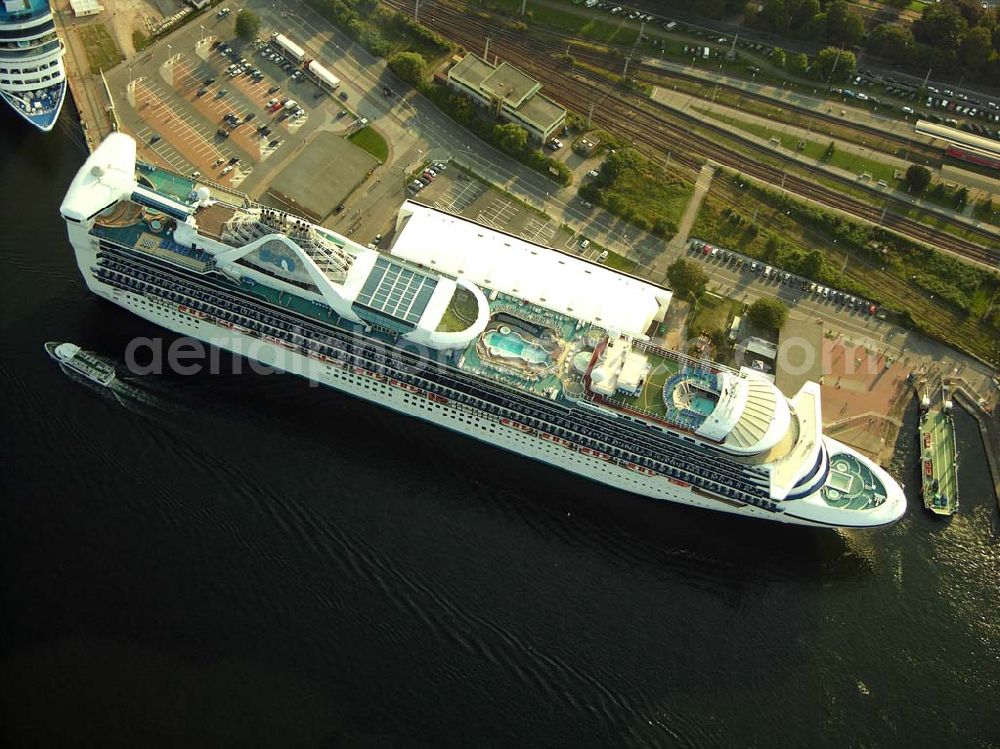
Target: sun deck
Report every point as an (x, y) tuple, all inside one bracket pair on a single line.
[(22, 11), (852, 485), (527, 347)]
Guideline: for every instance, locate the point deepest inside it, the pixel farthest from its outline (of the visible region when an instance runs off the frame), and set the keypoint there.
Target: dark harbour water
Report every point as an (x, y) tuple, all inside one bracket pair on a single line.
[(240, 560)]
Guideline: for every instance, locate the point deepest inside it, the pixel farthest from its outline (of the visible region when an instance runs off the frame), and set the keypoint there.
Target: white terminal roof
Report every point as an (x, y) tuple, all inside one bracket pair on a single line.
[(463, 249)]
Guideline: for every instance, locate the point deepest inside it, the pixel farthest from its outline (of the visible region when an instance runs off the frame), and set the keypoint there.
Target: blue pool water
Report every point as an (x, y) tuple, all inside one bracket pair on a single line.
[(702, 405), (512, 346)]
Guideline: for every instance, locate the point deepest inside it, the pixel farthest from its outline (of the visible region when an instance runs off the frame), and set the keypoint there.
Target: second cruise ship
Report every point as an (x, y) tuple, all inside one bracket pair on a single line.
[(469, 328), (32, 77)]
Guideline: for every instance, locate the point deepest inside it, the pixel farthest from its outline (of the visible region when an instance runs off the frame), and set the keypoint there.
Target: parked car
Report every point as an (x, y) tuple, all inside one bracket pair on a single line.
[(603, 256), (222, 133), (584, 244), (273, 89)]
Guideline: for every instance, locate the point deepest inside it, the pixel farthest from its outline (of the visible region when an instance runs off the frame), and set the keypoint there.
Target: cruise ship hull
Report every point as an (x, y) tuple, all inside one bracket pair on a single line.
[(44, 119), (467, 356), (413, 402)]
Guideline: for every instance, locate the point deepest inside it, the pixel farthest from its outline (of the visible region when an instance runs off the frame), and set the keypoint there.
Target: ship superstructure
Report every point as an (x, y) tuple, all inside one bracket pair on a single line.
[(32, 77), (469, 328)]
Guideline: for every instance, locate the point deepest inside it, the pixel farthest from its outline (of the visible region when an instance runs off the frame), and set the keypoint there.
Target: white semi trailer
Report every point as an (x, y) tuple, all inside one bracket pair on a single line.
[(290, 48), (322, 76)]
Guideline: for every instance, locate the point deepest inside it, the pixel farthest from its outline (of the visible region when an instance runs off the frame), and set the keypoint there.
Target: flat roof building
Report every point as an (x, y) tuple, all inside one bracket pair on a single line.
[(509, 93), (494, 261)]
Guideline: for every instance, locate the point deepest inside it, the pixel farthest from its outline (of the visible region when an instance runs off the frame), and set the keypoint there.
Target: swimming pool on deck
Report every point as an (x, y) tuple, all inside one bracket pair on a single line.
[(508, 344)]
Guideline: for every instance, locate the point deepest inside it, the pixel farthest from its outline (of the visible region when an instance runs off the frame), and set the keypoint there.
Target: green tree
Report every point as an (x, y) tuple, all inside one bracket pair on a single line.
[(833, 64), (941, 25), (843, 25), (409, 66), (686, 278), (778, 57), (247, 25), (769, 313), (813, 265), (892, 42), (918, 177), (510, 138), (977, 49), (796, 63), (775, 14), (815, 27), (854, 30), (800, 12)]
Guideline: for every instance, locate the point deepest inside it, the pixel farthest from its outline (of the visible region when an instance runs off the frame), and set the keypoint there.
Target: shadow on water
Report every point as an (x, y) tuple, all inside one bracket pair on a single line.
[(642, 529)]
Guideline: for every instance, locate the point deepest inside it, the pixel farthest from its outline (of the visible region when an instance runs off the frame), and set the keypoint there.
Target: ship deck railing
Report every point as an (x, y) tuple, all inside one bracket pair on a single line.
[(688, 462)]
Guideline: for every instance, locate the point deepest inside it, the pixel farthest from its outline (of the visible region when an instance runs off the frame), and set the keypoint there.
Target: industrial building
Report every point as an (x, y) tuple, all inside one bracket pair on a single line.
[(511, 95)]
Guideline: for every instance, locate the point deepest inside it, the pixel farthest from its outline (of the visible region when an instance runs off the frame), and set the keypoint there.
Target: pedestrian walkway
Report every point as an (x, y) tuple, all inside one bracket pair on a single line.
[(701, 186)]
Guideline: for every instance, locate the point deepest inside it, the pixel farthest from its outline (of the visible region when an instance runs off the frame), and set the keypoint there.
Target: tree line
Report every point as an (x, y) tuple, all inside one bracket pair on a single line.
[(952, 36)]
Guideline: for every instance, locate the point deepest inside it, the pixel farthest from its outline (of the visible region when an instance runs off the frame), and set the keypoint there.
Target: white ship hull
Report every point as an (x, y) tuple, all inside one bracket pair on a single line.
[(400, 398), (263, 284)]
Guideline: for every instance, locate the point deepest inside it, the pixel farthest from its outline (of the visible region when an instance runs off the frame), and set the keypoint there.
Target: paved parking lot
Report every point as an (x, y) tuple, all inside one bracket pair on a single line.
[(459, 195), (456, 192), (175, 105)]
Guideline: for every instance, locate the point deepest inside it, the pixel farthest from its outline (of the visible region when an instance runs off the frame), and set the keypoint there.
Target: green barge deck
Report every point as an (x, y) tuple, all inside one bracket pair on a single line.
[(938, 467)]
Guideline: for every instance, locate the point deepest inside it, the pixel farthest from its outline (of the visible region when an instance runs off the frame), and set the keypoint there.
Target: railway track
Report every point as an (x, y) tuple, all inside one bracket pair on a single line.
[(636, 117)]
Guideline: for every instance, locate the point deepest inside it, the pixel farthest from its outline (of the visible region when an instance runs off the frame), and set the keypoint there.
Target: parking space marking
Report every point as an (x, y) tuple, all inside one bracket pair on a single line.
[(294, 123), (239, 176), (537, 231), (152, 104), (498, 214), (219, 107), (459, 196), (163, 149)]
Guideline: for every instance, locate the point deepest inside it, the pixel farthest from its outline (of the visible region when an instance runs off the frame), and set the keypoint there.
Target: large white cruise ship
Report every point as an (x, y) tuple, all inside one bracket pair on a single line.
[(506, 341), (32, 77)]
